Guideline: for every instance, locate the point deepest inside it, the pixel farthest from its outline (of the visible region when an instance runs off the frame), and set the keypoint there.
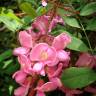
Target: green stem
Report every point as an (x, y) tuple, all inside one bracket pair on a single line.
[(86, 37)]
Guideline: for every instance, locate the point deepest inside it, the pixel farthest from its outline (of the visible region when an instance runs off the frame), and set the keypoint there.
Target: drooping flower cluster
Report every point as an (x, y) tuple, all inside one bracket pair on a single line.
[(41, 55)]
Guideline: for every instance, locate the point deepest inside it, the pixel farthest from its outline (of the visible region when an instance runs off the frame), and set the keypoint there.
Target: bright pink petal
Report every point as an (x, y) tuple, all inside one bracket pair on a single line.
[(40, 93), (20, 91), (25, 63), (19, 76), (61, 41), (25, 39), (20, 51)]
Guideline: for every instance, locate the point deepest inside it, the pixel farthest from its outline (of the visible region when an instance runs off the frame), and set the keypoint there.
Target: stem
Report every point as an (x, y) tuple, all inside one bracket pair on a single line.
[(86, 37)]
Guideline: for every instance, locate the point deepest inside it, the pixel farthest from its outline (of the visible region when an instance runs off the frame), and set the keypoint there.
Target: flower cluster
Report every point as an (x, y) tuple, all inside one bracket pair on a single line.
[(41, 56)]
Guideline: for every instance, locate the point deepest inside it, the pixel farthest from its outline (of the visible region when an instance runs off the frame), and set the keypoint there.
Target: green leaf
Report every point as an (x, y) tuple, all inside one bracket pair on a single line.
[(11, 21), (71, 22), (5, 55), (78, 77), (27, 8), (88, 9), (41, 10), (91, 25), (77, 45)]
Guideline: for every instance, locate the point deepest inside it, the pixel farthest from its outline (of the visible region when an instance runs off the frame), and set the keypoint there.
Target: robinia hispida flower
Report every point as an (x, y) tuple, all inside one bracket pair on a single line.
[(41, 55)]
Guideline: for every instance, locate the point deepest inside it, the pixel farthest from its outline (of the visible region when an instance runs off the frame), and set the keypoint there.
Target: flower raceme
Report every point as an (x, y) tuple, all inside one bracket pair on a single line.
[(40, 58)]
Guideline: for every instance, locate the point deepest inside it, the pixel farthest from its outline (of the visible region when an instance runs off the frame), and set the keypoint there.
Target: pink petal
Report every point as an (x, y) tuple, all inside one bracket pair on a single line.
[(42, 72), (55, 21), (44, 3), (63, 55), (20, 91), (37, 67), (25, 39), (40, 24), (85, 60), (90, 89), (49, 86), (25, 63), (44, 53), (56, 81), (61, 41), (20, 51), (56, 71), (19, 76), (40, 93)]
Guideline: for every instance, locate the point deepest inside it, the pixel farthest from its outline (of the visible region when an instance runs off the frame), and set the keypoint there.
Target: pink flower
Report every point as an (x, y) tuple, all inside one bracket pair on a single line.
[(40, 25), (25, 63), (86, 60), (20, 76), (55, 71), (23, 90), (25, 39), (53, 84), (42, 52), (56, 20), (20, 51), (20, 91), (61, 41)]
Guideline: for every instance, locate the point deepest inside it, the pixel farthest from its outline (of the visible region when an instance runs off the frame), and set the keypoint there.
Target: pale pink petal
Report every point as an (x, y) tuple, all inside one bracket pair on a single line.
[(20, 51), (19, 76), (37, 67), (63, 55), (42, 72), (20, 91), (44, 3), (25, 39), (61, 41)]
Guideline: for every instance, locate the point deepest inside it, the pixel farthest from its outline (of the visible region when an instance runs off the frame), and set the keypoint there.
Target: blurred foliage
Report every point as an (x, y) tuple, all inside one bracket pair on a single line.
[(16, 15)]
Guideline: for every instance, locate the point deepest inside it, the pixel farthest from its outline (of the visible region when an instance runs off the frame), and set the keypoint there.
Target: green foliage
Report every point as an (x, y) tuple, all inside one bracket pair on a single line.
[(27, 8), (77, 45), (88, 9), (11, 21), (78, 77), (72, 22)]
